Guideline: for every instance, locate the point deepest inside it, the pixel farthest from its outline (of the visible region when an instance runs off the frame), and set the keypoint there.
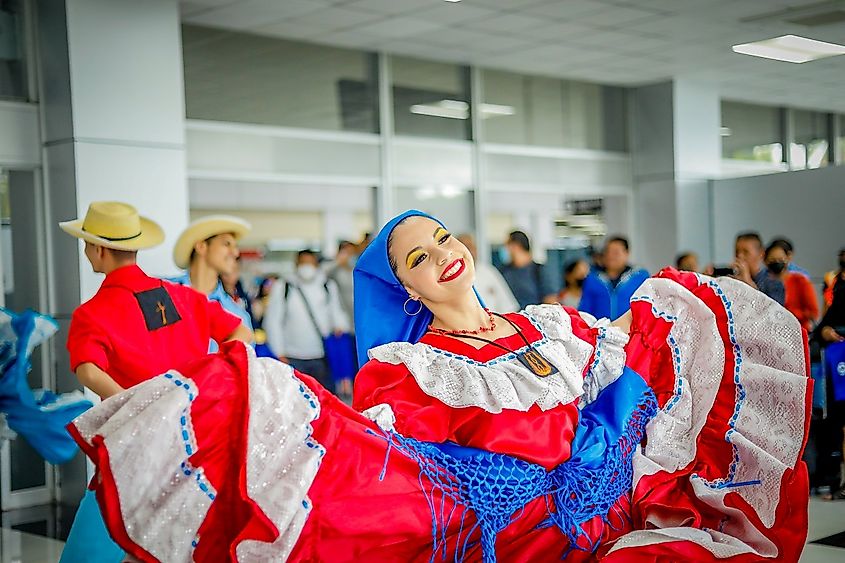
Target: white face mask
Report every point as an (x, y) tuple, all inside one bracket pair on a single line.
[(306, 271)]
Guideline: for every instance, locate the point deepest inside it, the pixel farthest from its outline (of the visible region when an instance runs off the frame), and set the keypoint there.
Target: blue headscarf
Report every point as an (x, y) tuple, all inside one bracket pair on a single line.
[(380, 297)]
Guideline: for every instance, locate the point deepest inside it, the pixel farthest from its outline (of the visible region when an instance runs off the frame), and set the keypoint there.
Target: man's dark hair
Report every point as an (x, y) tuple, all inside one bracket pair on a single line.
[(123, 255), (520, 239), (681, 257), (344, 244), (750, 235), (620, 239), (783, 243), (307, 252), (193, 250)]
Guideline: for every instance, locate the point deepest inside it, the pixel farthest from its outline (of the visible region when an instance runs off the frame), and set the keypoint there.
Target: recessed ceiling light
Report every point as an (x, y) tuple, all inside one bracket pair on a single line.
[(453, 1), (790, 48), (456, 109)]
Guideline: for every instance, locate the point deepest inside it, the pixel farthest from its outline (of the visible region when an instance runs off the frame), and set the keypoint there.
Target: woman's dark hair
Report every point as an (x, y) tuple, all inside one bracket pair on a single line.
[(390, 259), (779, 243), (572, 265), (784, 243)]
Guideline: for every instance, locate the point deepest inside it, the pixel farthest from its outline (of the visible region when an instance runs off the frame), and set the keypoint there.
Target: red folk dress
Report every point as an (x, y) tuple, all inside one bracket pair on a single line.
[(254, 461)]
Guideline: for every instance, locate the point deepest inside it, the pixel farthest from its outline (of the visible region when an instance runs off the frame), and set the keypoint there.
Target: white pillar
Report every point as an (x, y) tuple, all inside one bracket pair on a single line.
[(113, 128), (675, 150)]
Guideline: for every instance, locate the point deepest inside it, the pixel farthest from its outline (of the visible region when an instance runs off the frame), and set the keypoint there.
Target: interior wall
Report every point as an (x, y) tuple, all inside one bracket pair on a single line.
[(805, 206)]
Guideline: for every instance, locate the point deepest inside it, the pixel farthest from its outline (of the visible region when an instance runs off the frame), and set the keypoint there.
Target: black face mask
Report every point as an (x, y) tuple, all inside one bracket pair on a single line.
[(776, 268), (842, 264)]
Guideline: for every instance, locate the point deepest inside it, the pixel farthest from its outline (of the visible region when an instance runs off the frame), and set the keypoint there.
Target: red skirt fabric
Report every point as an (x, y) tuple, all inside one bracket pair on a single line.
[(234, 457)]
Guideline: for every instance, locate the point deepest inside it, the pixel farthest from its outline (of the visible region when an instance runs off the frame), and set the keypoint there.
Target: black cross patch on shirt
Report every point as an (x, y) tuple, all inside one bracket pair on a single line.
[(158, 308)]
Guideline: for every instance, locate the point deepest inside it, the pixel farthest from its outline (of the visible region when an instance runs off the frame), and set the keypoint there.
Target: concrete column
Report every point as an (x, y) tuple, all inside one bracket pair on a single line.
[(675, 149), (112, 121)]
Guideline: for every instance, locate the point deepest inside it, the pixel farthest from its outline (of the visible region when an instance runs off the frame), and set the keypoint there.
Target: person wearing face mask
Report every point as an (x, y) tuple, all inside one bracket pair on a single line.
[(672, 434), (301, 311), (573, 281), (750, 268), (800, 296)]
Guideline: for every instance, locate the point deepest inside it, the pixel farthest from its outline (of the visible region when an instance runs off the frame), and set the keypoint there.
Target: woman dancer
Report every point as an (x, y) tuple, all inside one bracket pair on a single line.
[(524, 437)]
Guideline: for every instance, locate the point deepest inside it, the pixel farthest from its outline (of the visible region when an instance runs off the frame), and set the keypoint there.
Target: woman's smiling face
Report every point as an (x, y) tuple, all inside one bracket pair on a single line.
[(429, 261)]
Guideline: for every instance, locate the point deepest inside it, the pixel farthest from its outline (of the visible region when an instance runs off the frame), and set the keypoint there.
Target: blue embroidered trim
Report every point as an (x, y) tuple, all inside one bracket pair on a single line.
[(600, 338), (728, 482), (188, 440), (497, 487), (310, 442), (673, 346), (724, 482)]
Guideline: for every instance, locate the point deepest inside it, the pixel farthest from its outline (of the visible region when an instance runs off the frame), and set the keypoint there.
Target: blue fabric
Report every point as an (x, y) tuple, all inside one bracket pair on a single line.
[(39, 416), (834, 357), (340, 354), (602, 300), (793, 267), (219, 294), (380, 298), (89, 540), (495, 487)]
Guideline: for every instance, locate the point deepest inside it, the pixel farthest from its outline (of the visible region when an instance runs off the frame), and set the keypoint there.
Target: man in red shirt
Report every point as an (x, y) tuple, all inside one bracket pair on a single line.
[(135, 327)]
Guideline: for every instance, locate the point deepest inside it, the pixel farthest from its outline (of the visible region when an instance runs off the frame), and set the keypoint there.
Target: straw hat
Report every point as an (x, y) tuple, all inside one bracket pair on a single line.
[(203, 229), (116, 225)]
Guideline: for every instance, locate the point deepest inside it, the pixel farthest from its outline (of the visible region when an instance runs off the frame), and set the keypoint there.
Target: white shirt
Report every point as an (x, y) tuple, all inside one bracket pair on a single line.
[(493, 289), (290, 330)]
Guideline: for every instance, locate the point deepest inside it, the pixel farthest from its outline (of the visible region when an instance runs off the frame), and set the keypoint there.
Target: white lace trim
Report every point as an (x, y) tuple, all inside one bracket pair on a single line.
[(153, 413), (382, 414), (608, 360), (502, 383), (767, 428), (282, 457)]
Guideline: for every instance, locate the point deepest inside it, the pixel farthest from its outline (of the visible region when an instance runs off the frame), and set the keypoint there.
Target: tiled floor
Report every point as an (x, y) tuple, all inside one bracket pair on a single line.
[(19, 547), (826, 519)]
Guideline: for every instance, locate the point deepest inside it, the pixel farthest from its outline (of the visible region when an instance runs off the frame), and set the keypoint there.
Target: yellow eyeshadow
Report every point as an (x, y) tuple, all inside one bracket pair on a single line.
[(412, 257), (440, 232)]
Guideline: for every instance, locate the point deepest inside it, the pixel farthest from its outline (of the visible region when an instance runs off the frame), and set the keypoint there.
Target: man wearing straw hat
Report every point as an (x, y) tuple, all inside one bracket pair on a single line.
[(134, 328), (207, 249)]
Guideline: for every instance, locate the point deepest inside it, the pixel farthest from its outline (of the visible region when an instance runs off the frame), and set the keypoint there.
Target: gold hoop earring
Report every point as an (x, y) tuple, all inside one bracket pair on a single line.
[(405, 307)]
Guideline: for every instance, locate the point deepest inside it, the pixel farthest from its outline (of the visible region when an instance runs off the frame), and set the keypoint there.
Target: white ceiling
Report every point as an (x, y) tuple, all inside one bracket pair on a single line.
[(623, 42)]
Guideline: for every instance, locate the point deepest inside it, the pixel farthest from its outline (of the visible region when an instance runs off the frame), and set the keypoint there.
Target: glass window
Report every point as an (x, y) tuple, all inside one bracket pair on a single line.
[(12, 58), (752, 132), (452, 205), (430, 99), (231, 76), (537, 110), (810, 146)]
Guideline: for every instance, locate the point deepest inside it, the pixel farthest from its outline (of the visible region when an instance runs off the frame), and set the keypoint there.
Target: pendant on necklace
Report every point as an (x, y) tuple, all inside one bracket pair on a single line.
[(534, 361)]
